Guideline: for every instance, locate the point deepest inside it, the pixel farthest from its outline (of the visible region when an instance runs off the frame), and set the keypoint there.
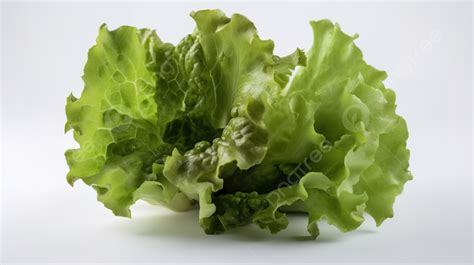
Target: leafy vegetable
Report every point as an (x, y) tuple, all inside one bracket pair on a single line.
[(220, 122)]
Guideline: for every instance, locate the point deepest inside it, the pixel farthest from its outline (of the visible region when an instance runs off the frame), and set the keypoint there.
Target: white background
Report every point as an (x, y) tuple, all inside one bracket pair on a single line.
[(425, 48)]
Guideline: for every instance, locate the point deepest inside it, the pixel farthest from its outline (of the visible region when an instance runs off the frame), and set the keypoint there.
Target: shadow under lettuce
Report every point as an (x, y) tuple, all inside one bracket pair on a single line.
[(167, 224)]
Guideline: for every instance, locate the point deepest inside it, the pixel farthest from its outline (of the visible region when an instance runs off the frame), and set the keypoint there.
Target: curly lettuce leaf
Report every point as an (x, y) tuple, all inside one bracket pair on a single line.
[(383, 181), (242, 66), (115, 120), (117, 102), (353, 110)]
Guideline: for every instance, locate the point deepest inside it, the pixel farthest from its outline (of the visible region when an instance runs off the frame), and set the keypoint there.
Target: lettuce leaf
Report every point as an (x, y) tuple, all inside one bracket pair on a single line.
[(114, 120), (221, 123)]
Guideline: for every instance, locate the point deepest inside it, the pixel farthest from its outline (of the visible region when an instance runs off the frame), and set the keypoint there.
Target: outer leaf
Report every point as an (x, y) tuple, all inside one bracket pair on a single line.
[(385, 178), (353, 106), (114, 120)]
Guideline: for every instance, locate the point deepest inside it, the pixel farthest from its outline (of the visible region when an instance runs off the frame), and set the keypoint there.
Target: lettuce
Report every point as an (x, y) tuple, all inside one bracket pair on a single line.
[(220, 123)]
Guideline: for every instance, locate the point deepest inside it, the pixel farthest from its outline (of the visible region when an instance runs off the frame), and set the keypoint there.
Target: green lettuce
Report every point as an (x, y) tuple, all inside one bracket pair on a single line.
[(220, 123)]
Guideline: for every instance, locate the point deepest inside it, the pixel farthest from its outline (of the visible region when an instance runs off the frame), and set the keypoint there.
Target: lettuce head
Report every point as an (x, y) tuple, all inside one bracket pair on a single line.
[(221, 124)]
